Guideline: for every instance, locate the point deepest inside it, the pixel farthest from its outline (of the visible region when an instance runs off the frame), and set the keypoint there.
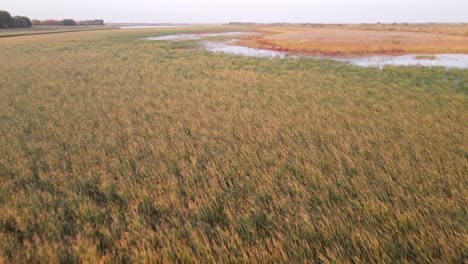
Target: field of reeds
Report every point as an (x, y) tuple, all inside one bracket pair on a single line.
[(362, 40), (457, 29), (115, 149)]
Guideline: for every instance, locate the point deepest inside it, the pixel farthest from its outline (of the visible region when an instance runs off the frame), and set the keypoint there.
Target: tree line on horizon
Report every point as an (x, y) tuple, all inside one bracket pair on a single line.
[(8, 21), (67, 22)]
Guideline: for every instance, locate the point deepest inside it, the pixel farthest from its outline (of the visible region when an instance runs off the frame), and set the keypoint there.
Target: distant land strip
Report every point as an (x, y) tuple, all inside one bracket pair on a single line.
[(52, 32)]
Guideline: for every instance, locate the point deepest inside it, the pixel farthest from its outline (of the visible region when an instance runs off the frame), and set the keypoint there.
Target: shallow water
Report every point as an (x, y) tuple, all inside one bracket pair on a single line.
[(137, 27), (441, 60), (175, 37), (221, 47), (179, 37)]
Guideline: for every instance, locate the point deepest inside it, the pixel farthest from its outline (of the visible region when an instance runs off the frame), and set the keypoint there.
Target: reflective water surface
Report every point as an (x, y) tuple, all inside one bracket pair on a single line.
[(179, 37)]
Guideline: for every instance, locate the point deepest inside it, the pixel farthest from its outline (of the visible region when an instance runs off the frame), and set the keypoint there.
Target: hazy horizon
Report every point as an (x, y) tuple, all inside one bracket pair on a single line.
[(261, 11)]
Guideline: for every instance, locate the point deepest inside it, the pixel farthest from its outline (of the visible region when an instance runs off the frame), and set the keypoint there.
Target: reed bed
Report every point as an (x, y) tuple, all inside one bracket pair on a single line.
[(351, 41), (114, 149)]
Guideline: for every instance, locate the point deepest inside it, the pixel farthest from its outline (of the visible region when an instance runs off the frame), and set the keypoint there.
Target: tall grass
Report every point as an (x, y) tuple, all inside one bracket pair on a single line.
[(456, 29), (358, 40), (116, 149)]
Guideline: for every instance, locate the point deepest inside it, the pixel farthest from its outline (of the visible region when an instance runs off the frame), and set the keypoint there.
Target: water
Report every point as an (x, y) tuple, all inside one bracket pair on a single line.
[(459, 61), (179, 37), (221, 47), (175, 37), (441, 60), (137, 27)]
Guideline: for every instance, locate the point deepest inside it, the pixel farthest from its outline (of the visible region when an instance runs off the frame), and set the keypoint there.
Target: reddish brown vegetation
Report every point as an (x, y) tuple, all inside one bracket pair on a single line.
[(341, 41)]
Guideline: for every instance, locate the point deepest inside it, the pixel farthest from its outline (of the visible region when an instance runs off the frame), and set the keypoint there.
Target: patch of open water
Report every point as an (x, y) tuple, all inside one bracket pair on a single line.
[(180, 37), (440, 60), (221, 47)]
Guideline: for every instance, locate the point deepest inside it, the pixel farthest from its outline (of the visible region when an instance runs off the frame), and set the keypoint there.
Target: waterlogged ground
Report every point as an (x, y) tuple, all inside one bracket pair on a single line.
[(222, 47), (441, 60)]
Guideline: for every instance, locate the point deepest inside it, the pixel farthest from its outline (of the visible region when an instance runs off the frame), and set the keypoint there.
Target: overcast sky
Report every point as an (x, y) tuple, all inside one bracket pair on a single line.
[(221, 11)]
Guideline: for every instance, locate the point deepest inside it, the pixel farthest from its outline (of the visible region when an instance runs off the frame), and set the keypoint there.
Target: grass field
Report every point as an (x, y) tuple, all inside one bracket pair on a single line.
[(114, 149), (362, 40)]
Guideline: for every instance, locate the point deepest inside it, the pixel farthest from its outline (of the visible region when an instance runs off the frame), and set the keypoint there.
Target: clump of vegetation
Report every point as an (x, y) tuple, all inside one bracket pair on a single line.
[(115, 149), (426, 57), (52, 22), (7, 21), (95, 22)]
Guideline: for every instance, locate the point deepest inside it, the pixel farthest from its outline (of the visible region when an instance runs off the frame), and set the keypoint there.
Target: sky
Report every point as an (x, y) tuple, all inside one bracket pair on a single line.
[(262, 11)]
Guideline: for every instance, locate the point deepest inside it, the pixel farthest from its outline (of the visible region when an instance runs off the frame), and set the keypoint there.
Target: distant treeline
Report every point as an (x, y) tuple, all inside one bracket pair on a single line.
[(340, 24), (68, 22), (7, 21)]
